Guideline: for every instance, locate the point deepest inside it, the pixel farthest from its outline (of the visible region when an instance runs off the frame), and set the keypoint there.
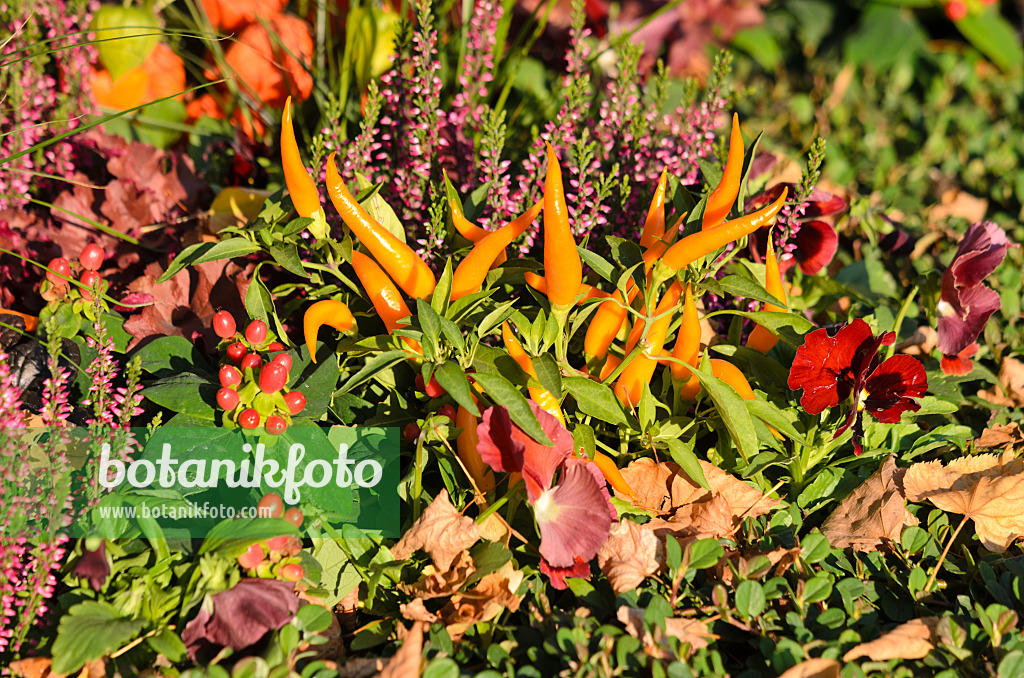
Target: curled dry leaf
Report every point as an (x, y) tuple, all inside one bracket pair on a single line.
[(493, 594), (631, 554), (873, 514), (408, 661), (1007, 437), (987, 488), (813, 668), (434, 584), (685, 629), (417, 611), (1010, 391), (913, 640), (441, 531)]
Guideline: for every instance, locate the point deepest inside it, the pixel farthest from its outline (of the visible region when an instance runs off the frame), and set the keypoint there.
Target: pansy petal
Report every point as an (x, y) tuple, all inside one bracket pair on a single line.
[(960, 364), (573, 518), (816, 245), (541, 461), (498, 447), (824, 204), (894, 388), (822, 365), (557, 575), (958, 331), (980, 252)]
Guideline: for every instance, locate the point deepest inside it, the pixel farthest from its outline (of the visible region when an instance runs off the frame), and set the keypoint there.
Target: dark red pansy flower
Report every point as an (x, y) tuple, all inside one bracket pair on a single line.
[(93, 565), (832, 367), (812, 242), (966, 303), (573, 514)]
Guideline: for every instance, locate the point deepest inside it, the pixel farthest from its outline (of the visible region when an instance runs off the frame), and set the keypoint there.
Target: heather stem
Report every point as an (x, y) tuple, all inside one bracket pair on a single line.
[(942, 556)]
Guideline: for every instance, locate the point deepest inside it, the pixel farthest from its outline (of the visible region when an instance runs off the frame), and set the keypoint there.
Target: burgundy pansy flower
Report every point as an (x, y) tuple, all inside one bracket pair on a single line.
[(93, 566), (966, 302), (574, 514), (832, 367), (239, 617), (808, 241)]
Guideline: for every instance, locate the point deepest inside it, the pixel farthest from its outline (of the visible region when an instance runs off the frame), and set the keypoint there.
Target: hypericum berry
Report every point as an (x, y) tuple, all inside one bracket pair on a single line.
[(277, 544), (283, 359), (229, 376), (90, 279), (295, 402), (58, 265), (275, 427), (411, 432), (227, 399), (270, 506), (294, 516), (956, 10), (92, 257), (433, 389), (273, 377), (223, 324), (292, 572), (249, 418), (251, 360), (236, 352), (256, 332), (252, 558), (447, 410), (275, 346)]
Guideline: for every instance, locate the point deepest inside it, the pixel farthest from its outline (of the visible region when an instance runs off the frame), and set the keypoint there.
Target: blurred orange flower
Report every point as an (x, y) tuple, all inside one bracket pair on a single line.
[(233, 15), (269, 65), (162, 74), (166, 71)]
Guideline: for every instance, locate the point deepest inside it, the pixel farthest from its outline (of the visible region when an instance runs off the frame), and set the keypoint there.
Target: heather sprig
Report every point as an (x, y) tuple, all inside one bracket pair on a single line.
[(789, 217), (494, 170)]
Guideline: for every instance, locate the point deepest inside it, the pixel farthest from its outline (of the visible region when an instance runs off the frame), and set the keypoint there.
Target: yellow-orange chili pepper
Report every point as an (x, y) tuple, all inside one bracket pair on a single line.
[(687, 348), (543, 397), (403, 264), (654, 225), (610, 363), (630, 384), (31, 321), (563, 269), (467, 445), (538, 283), (327, 312), (723, 197), (730, 374), (760, 338), (300, 185), (470, 231), (384, 296), (470, 274), (612, 474), (693, 247)]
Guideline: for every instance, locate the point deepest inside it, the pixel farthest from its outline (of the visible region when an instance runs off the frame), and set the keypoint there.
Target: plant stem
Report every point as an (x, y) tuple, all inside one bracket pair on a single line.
[(899, 320), (945, 551), (417, 477)]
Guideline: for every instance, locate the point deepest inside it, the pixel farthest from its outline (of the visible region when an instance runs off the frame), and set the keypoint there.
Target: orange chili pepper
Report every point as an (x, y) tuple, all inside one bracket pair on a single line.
[(630, 384), (760, 338), (327, 312), (654, 225), (31, 321), (410, 272), (562, 267), (543, 397), (610, 363), (300, 185), (538, 283), (730, 374), (612, 474), (693, 247), (687, 349), (467, 445), (723, 197), (384, 296), (470, 274), (470, 231)]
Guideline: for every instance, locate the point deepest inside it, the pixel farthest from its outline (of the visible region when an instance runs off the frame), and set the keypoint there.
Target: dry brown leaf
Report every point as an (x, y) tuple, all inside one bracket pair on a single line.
[(987, 488), (686, 629), (434, 584), (493, 594), (417, 611), (1010, 391), (692, 631), (1007, 437), (334, 648), (814, 668), (408, 661), (664, 487), (33, 667), (441, 531), (913, 640), (922, 342), (874, 513), (629, 556), (780, 558), (957, 203), (360, 667)]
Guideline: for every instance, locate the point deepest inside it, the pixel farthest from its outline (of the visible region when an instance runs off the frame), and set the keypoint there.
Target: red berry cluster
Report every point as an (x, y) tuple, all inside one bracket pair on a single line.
[(89, 262), (432, 390), (275, 558), (957, 10), (253, 392)]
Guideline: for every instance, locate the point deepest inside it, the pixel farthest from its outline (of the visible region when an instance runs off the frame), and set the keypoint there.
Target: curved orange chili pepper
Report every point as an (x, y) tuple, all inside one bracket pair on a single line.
[(410, 272), (538, 283), (467, 445), (687, 349), (723, 197), (654, 225), (730, 374), (760, 338), (470, 274), (563, 269), (384, 296), (612, 474), (300, 185), (327, 312), (693, 247), (610, 363), (540, 395), (31, 321), (630, 384), (470, 231)]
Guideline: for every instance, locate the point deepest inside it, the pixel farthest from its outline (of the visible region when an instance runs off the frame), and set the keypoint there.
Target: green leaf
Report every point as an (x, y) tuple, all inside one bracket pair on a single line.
[(595, 400), (378, 208), (453, 379), (316, 382), (647, 408), (760, 44), (168, 643), (683, 455), (88, 631), (742, 286), (994, 37), (233, 536), (704, 553), (733, 411), (789, 327), (443, 289), (124, 37), (548, 374), (776, 418), (430, 322), (338, 577), (750, 599), (187, 393), (287, 257), (378, 363), (203, 252), (814, 547), (258, 301), (166, 356), (501, 391), (583, 438), (313, 618), (597, 264)]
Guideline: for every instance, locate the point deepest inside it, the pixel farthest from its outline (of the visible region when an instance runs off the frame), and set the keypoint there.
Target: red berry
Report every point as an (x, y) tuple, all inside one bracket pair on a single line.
[(411, 432), (249, 418), (91, 279), (227, 399), (230, 376), (256, 332), (283, 359), (433, 389), (273, 377), (92, 257), (270, 506), (447, 411), (956, 10), (276, 426), (223, 324), (252, 558), (294, 516), (277, 544), (275, 346), (292, 572), (236, 352), (252, 361), (295, 402), (59, 265)]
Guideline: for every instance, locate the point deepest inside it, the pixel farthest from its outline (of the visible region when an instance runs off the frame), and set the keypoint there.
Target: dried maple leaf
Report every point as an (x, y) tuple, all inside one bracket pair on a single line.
[(813, 668), (1010, 391), (1008, 437), (986, 488), (441, 531), (417, 611), (686, 629), (631, 554), (913, 640), (872, 514), (408, 660), (493, 593), (434, 584)]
